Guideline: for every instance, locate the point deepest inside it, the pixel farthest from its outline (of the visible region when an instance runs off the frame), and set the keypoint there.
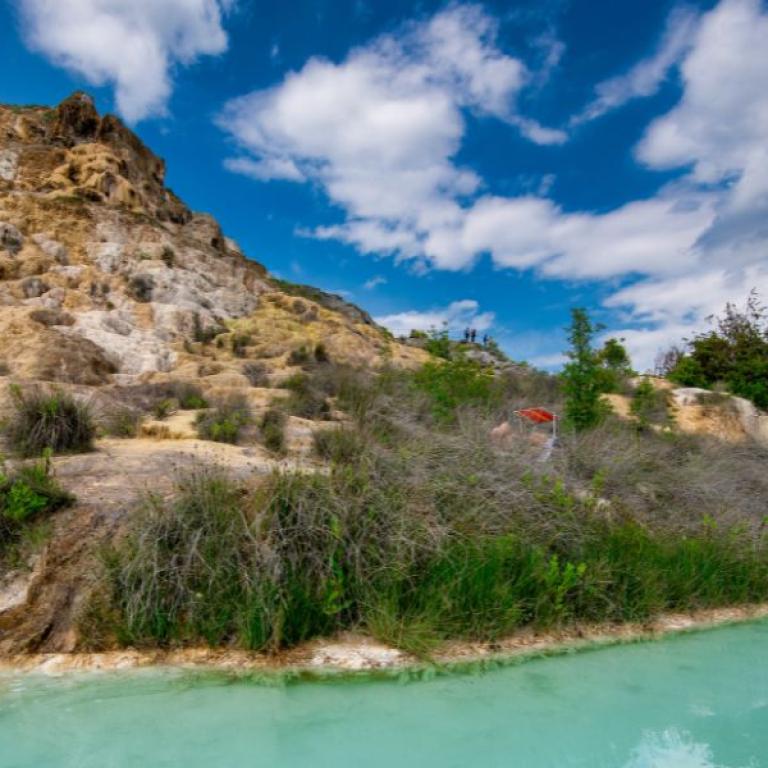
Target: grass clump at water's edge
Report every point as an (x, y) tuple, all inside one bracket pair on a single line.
[(310, 555), (423, 530)]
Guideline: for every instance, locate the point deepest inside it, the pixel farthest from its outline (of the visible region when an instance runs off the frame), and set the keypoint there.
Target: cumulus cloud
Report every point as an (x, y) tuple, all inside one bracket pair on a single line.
[(455, 318), (379, 130), (133, 46), (645, 77)]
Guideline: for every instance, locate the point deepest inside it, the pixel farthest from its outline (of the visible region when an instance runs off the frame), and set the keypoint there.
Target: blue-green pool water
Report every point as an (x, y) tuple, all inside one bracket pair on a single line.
[(692, 701)]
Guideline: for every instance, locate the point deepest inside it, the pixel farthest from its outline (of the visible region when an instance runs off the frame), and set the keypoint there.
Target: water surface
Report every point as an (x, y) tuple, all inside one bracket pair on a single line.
[(691, 701)]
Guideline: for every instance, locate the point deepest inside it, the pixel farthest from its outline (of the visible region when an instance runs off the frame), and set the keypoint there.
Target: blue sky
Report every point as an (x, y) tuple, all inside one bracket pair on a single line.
[(486, 163)]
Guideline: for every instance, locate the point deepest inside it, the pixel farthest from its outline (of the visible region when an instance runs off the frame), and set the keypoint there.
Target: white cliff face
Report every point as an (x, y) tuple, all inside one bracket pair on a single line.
[(132, 350)]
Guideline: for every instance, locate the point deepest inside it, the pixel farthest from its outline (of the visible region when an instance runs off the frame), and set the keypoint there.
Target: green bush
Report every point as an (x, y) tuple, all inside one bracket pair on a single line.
[(27, 495), (273, 430), (48, 420), (299, 356), (342, 446), (162, 409), (224, 423), (439, 344), (306, 399), (734, 353), (189, 396), (256, 373), (240, 344), (648, 404), (454, 383)]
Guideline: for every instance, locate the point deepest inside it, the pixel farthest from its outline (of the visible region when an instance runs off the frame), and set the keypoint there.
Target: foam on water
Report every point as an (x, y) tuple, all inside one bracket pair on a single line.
[(672, 749)]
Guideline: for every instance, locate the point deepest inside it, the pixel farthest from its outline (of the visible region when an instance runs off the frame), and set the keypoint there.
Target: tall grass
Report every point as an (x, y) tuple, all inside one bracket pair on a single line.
[(423, 530), (391, 544), (54, 421)]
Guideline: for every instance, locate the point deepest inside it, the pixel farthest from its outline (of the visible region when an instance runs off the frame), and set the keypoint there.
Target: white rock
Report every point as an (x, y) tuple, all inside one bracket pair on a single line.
[(9, 163)]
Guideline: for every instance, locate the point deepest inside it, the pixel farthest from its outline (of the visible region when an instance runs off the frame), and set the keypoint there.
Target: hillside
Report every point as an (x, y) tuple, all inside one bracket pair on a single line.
[(112, 288), (202, 454)]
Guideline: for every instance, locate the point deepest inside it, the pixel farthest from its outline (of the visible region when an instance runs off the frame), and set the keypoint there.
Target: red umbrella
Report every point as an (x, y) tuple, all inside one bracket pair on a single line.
[(537, 415)]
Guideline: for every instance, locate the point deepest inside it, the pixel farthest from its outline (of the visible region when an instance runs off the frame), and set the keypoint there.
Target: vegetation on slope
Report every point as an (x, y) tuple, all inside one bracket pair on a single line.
[(53, 421), (28, 496), (733, 354), (424, 530)]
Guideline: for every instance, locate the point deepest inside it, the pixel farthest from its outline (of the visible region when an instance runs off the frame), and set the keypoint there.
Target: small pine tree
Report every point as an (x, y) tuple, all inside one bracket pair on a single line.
[(582, 375), (644, 403)]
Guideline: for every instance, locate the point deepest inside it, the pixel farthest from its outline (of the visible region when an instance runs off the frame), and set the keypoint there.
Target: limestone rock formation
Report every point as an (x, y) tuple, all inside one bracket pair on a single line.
[(107, 277)]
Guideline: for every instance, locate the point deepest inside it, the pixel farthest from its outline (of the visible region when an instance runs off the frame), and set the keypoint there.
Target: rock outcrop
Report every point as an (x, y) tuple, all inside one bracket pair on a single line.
[(107, 277)]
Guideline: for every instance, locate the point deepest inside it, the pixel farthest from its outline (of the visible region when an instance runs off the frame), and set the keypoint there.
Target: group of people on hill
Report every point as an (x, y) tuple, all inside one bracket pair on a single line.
[(470, 336)]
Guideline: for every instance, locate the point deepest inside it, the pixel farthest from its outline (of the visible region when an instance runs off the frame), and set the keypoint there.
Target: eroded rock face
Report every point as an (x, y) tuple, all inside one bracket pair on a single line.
[(90, 233)]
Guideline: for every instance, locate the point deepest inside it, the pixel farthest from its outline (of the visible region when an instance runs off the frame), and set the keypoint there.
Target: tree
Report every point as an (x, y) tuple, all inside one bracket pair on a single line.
[(734, 353), (615, 365), (646, 403), (582, 375)]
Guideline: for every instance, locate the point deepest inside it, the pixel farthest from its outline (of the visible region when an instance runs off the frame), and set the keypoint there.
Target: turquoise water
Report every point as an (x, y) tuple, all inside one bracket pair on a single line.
[(692, 701)]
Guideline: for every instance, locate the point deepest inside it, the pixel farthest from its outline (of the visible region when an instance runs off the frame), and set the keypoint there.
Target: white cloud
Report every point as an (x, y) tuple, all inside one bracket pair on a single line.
[(375, 281), (132, 45), (380, 131), (455, 318), (645, 77)]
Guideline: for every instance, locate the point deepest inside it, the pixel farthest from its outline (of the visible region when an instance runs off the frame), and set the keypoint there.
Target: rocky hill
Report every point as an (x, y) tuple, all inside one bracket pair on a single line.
[(112, 289), (106, 277)]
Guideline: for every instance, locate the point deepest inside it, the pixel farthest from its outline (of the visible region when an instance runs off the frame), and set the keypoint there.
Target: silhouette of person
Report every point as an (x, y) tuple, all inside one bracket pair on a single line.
[(466, 335), (472, 335), (485, 340)]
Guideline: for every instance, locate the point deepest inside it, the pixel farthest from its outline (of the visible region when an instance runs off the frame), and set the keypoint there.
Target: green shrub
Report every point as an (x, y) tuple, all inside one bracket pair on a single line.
[(27, 495), (439, 344), (321, 353), (141, 288), (306, 399), (240, 344), (48, 420), (299, 356), (168, 256), (189, 396), (224, 422), (648, 404), (342, 446), (273, 430), (256, 373), (735, 353), (454, 383), (205, 334), (162, 409)]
